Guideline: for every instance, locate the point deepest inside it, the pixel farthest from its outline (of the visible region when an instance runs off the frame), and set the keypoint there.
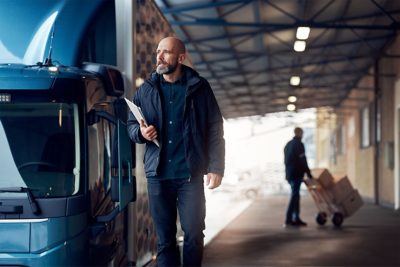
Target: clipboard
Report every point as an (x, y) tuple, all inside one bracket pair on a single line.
[(137, 112)]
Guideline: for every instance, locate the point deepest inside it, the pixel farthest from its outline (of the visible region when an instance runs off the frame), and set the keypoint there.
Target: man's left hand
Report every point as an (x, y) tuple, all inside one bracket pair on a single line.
[(213, 180)]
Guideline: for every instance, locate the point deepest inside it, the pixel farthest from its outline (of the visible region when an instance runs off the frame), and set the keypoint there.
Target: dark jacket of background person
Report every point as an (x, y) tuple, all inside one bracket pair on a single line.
[(295, 159), (202, 125)]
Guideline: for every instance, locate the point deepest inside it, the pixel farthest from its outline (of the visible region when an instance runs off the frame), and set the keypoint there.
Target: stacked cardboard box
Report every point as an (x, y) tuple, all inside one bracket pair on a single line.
[(339, 190)]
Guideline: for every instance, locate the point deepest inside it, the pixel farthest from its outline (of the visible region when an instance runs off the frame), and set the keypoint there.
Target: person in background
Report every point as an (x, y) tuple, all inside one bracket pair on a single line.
[(183, 115), (295, 166)]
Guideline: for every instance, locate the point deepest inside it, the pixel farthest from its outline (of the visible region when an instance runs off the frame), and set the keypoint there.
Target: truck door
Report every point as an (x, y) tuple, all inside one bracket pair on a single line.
[(126, 181)]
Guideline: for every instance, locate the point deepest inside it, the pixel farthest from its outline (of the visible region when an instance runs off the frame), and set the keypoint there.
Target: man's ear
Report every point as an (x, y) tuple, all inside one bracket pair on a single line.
[(181, 58)]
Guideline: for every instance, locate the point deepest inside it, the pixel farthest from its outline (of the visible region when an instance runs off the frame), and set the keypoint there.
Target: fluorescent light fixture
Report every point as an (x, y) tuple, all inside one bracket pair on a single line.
[(291, 107), (299, 46), (292, 99), (294, 81), (302, 33)]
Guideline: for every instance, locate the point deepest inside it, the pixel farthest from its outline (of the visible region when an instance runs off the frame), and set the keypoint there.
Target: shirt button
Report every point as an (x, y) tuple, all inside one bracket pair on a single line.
[(170, 141), (169, 161), (170, 102), (170, 122)]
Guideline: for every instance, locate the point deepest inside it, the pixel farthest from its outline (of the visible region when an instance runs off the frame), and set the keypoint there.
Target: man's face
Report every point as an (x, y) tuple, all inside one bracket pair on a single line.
[(168, 57)]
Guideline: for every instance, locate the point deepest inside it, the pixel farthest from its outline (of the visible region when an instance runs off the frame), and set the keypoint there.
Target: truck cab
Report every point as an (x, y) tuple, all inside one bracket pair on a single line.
[(66, 164)]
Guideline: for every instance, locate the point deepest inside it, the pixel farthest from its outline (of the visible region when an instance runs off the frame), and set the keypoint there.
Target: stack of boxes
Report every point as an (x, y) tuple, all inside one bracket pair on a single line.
[(338, 190)]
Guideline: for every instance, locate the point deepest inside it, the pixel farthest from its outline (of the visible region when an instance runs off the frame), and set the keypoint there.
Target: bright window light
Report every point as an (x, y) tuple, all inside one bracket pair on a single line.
[(295, 81), (299, 46), (291, 107), (302, 33), (292, 99)]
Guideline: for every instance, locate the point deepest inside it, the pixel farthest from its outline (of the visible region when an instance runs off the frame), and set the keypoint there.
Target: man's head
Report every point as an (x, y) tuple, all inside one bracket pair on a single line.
[(298, 132), (171, 53)]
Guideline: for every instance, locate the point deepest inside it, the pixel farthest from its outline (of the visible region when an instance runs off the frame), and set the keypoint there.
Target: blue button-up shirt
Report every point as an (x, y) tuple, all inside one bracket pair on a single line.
[(172, 158)]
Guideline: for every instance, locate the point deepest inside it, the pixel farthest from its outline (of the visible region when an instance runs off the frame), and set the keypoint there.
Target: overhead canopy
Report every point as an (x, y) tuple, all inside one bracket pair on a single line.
[(246, 48)]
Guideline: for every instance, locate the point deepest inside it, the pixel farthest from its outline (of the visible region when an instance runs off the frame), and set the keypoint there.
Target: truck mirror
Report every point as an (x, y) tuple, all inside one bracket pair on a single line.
[(92, 118), (109, 75)]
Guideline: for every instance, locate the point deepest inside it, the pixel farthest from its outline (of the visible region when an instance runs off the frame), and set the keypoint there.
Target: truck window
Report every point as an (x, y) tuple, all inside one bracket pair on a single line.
[(40, 148)]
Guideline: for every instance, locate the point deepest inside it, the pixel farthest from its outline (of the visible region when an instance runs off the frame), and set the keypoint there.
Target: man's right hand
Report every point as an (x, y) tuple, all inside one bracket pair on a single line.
[(148, 132)]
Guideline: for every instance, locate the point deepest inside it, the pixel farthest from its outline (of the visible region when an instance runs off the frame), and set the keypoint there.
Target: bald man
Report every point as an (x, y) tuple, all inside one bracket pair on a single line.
[(183, 115)]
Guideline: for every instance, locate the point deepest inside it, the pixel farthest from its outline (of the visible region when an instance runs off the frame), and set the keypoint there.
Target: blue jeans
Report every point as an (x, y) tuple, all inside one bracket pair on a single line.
[(293, 210), (185, 196)]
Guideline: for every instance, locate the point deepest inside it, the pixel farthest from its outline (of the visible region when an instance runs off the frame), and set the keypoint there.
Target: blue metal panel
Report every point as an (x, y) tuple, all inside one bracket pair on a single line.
[(45, 235), (26, 27), (48, 234), (14, 237), (69, 253), (34, 78), (34, 22), (71, 24), (10, 78)]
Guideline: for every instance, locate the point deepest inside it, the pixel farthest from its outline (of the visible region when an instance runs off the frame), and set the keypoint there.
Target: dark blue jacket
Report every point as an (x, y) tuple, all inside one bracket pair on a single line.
[(295, 160), (202, 125)]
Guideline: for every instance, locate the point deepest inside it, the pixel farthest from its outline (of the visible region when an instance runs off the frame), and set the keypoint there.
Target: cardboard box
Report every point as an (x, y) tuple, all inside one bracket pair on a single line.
[(322, 197), (352, 203), (341, 188), (324, 177)]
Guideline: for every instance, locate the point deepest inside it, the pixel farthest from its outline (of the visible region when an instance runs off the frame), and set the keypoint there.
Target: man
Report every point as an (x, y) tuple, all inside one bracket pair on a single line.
[(296, 166), (183, 115)]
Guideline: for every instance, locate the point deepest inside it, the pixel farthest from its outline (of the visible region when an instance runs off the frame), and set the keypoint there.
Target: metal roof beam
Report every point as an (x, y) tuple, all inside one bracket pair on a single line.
[(282, 26), (234, 71), (366, 16), (245, 55), (191, 7), (253, 33), (384, 11), (287, 14), (319, 12), (306, 77)]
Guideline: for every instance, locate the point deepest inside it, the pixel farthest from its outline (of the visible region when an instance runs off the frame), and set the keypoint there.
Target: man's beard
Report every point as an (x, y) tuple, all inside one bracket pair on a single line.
[(168, 69)]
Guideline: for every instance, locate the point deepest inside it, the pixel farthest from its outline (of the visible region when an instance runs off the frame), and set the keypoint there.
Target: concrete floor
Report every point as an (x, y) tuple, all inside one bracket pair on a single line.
[(371, 237)]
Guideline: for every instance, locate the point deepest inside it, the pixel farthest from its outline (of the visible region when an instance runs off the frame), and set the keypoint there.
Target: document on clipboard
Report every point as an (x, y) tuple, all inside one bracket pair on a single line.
[(137, 112)]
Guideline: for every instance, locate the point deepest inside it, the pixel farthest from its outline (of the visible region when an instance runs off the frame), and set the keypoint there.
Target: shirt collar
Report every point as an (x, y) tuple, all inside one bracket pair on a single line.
[(180, 81)]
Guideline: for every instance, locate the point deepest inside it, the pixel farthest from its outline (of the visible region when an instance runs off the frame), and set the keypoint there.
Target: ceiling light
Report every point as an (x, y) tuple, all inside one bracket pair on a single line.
[(299, 46), (291, 107), (302, 33), (295, 81), (292, 99)]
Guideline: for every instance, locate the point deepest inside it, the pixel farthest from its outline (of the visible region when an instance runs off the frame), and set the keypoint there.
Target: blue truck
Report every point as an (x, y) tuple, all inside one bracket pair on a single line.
[(66, 163)]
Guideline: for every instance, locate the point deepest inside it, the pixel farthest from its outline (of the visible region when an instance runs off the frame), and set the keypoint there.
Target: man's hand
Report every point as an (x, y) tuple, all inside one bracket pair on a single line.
[(148, 132), (213, 180)]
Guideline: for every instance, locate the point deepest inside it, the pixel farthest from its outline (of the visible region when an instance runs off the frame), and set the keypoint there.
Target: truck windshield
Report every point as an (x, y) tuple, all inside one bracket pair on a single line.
[(39, 146)]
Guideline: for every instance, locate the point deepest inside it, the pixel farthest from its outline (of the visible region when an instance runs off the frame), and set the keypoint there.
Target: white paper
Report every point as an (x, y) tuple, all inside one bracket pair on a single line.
[(137, 112)]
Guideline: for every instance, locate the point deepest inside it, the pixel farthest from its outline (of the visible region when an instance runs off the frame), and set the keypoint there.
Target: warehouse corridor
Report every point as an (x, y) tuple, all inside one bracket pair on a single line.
[(371, 237)]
